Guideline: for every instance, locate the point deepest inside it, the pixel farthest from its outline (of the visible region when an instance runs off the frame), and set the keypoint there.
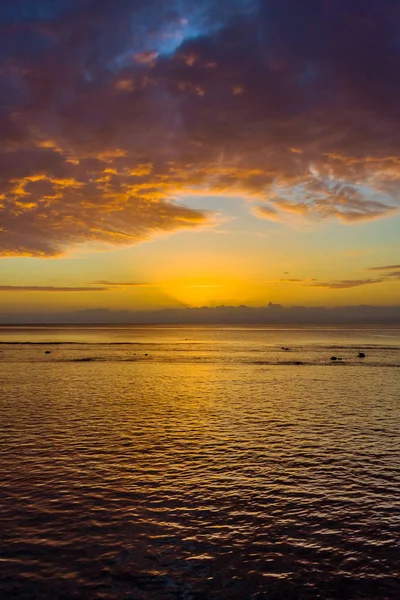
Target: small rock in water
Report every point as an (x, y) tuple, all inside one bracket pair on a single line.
[(361, 355), (47, 352)]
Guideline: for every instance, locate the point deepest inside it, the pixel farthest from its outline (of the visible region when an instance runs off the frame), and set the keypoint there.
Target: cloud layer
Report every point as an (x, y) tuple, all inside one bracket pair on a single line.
[(273, 314), (112, 110)]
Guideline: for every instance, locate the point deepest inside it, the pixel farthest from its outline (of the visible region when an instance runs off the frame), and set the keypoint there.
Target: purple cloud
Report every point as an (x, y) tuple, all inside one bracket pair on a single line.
[(112, 111)]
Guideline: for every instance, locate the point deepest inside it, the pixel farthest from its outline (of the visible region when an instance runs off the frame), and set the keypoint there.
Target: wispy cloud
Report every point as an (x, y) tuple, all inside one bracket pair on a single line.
[(287, 280), (294, 280), (346, 283), (385, 268), (267, 212), (114, 284), (49, 288), (291, 280), (124, 284)]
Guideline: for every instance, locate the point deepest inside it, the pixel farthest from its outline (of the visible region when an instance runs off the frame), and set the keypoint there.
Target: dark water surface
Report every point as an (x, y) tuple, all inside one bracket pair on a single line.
[(199, 463)]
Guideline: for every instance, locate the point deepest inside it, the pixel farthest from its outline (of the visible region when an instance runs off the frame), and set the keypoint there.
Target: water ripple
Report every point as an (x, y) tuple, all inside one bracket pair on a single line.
[(162, 480)]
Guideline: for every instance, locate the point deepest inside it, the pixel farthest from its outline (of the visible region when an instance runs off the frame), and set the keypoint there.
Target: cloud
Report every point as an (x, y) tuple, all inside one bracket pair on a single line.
[(346, 283), (113, 284), (334, 285), (112, 110), (272, 314), (49, 288), (124, 284), (267, 212), (386, 268), (291, 280)]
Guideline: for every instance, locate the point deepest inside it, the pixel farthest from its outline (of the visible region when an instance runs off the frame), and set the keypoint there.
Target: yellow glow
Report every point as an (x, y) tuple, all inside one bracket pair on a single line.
[(198, 294)]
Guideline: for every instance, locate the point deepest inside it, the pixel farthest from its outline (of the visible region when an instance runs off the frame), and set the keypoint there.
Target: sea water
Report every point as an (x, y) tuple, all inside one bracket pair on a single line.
[(199, 463)]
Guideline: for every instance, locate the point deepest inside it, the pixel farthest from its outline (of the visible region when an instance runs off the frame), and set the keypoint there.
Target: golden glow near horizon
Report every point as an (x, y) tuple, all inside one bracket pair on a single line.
[(248, 269)]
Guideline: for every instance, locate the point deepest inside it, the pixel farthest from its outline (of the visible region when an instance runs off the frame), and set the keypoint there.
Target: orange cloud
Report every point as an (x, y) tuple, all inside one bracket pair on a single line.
[(145, 58), (267, 212), (115, 113), (126, 85)]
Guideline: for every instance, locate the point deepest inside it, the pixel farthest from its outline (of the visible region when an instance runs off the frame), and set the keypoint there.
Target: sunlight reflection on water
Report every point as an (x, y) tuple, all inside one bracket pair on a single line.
[(210, 478)]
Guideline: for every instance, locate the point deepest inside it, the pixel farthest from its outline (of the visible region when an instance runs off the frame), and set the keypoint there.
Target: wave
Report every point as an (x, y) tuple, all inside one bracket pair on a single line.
[(395, 347), (197, 360)]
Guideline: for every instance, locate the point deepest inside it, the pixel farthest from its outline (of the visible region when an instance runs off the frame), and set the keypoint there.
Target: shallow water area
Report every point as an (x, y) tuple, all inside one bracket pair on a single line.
[(199, 462)]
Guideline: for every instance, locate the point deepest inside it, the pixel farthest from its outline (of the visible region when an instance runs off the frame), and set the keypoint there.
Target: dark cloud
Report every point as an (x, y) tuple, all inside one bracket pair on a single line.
[(291, 280), (112, 110), (273, 314), (125, 284), (346, 283)]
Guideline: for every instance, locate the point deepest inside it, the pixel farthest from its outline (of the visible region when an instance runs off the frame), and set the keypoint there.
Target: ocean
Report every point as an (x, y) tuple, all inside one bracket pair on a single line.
[(199, 463)]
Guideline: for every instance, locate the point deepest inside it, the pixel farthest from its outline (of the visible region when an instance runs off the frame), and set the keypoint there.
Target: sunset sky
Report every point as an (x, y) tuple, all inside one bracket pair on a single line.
[(185, 153)]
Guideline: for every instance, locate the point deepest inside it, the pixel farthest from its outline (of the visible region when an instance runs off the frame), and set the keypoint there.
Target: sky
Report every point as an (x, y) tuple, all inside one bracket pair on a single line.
[(174, 154)]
